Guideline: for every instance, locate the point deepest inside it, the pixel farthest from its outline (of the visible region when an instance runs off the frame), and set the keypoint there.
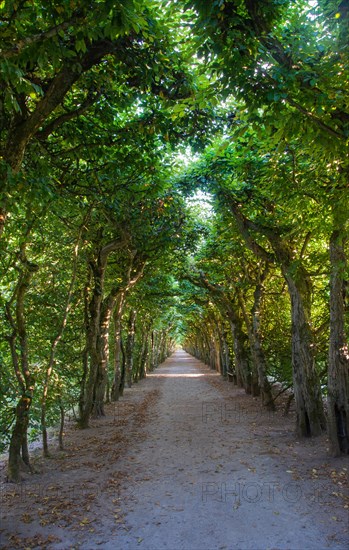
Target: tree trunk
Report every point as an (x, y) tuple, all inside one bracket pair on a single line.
[(217, 354), (258, 352), (85, 355), (45, 450), (309, 406), (255, 339), (82, 390), (243, 376), (338, 367), (122, 370), (153, 350), (88, 400), (107, 391), (107, 308), (61, 427), (255, 387), (102, 354), (18, 451), (115, 390), (225, 357), (58, 337), (310, 416), (241, 359), (95, 383), (25, 450), (212, 346), (307, 391), (143, 355), (129, 347), (92, 333), (140, 369)]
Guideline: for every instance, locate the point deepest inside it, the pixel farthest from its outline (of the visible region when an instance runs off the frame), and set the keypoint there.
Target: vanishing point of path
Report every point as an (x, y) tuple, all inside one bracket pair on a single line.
[(201, 467)]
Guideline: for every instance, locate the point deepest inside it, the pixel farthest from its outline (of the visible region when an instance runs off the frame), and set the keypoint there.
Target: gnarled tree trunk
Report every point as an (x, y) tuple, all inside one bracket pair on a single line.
[(309, 407), (338, 366), (103, 354), (18, 451), (307, 392), (97, 322), (92, 333)]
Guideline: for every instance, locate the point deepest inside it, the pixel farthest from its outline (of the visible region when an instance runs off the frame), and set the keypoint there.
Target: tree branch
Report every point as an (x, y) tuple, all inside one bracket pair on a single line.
[(244, 224), (50, 128), (277, 51), (314, 119), (305, 244), (112, 246), (54, 95), (40, 37)]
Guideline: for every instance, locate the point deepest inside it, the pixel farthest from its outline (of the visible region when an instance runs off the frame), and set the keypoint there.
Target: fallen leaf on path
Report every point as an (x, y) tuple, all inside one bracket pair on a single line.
[(26, 518), (85, 521)]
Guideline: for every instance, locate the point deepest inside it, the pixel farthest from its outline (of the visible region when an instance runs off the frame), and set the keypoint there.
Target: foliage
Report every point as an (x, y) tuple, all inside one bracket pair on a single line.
[(167, 126)]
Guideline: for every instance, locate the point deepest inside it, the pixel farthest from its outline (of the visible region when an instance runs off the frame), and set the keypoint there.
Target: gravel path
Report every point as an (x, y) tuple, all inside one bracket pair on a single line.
[(208, 477), (185, 461)]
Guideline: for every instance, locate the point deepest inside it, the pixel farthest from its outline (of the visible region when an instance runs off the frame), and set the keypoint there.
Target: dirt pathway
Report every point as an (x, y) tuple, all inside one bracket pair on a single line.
[(184, 462)]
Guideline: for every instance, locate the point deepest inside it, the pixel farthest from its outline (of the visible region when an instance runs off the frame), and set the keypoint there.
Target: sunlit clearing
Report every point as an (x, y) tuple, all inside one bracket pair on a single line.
[(202, 202), (185, 158)]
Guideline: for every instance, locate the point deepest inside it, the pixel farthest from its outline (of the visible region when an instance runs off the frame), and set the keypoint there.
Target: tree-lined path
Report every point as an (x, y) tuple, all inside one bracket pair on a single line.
[(183, 462), (174, 175)]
